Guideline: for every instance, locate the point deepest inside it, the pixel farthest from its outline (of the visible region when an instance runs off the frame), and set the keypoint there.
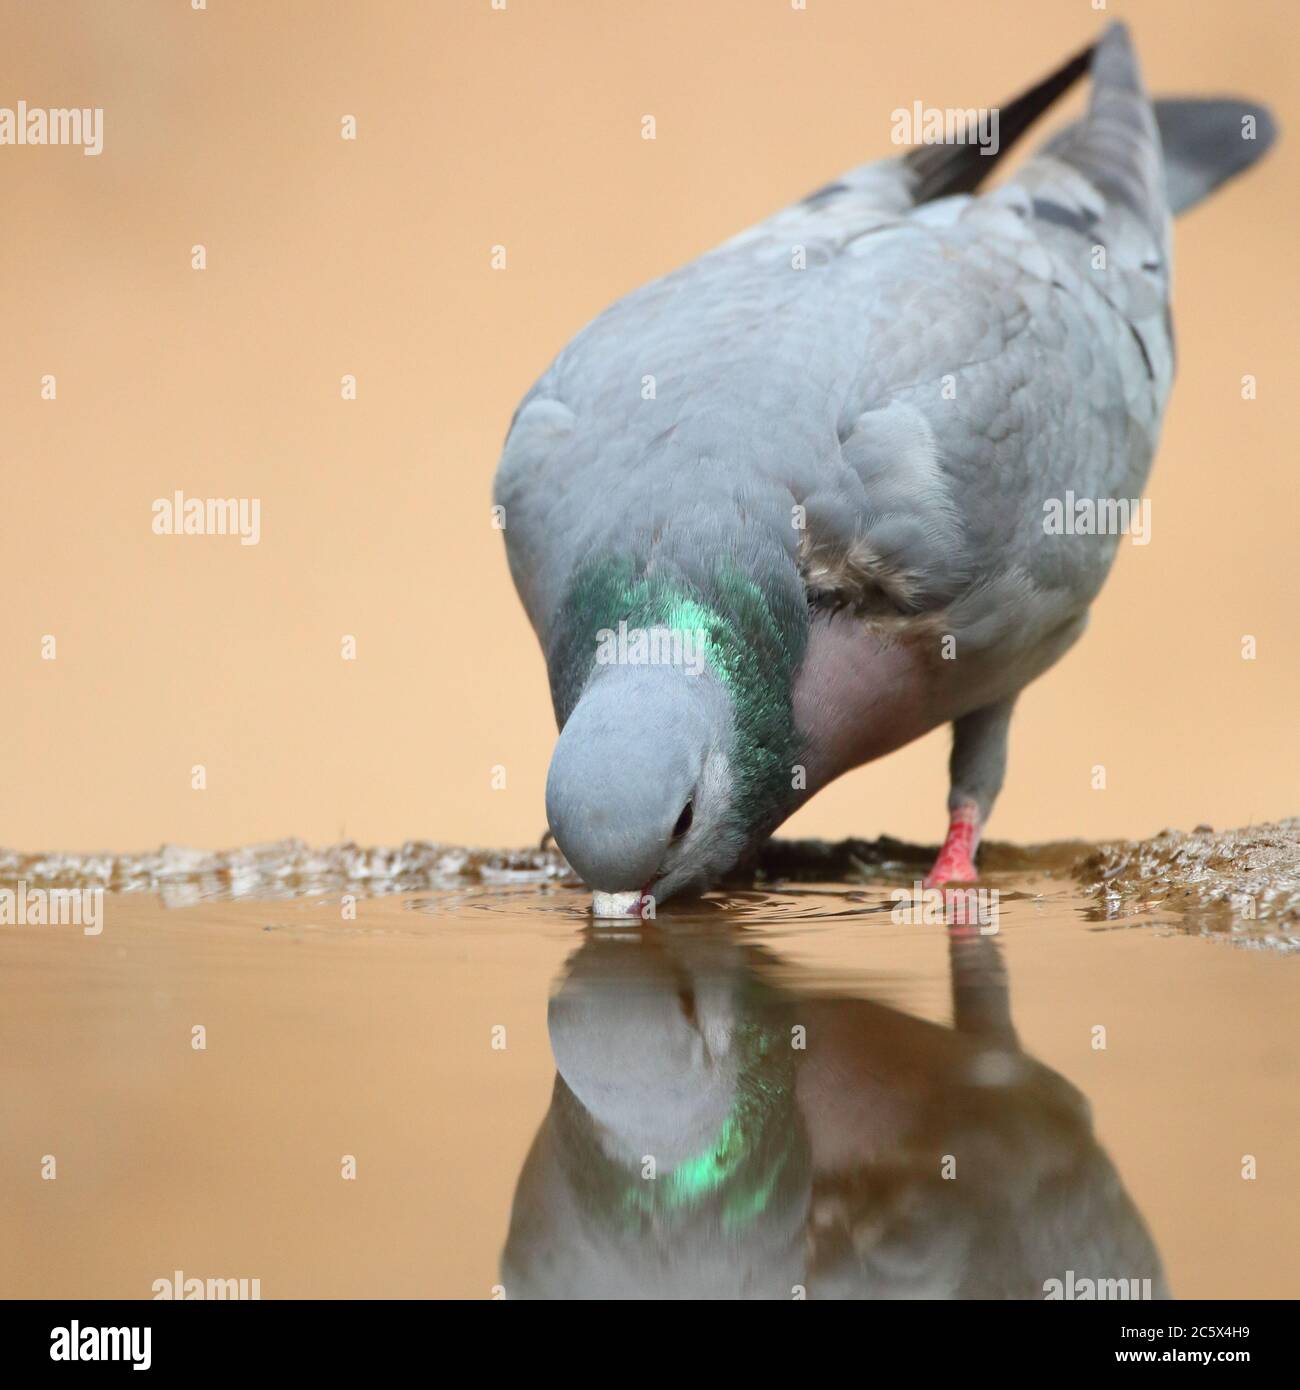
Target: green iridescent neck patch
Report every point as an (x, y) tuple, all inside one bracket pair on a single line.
[(751, 652)]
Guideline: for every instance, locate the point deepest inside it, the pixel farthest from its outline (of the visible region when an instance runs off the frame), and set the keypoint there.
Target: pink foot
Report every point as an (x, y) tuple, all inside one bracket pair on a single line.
[(956, 861)]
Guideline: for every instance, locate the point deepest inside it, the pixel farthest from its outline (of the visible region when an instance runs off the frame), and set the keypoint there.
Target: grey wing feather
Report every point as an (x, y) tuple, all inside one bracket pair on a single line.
[(1047, 359)]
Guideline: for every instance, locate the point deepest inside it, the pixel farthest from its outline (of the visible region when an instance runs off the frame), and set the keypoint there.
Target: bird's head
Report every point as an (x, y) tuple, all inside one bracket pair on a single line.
[(642, 795), (677, 738)]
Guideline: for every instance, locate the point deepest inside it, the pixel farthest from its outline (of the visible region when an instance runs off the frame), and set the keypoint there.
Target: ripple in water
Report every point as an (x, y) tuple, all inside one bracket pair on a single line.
[(571, 905)]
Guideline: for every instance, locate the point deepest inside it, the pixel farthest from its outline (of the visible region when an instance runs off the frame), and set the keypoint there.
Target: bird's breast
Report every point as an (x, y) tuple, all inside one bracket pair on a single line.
[(860, 693)]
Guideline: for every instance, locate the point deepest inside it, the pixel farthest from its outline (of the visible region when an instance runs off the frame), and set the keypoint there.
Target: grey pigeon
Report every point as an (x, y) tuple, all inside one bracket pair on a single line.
[(790, 507)]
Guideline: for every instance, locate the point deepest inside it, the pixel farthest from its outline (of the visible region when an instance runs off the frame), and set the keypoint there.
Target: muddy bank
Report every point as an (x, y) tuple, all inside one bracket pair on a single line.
[(1250, 875), (282, 869), (1228, 876), (1225, 879)]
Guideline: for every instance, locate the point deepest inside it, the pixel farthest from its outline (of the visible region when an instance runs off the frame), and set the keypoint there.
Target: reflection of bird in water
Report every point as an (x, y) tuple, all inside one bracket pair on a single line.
[(715, 1133)]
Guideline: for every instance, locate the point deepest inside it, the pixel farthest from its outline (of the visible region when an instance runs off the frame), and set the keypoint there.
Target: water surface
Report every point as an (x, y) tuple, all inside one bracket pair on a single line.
[(777, 1091)]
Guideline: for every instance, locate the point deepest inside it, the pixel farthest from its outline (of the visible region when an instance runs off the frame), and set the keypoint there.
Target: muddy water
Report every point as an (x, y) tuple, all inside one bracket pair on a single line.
[(779, 1089)]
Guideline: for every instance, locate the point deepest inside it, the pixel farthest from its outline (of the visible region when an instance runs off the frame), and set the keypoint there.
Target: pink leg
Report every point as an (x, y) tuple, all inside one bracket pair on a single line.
[(956, 861)]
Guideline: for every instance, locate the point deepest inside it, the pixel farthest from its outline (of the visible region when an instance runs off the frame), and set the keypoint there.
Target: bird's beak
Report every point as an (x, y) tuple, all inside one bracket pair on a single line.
[(616, 904)]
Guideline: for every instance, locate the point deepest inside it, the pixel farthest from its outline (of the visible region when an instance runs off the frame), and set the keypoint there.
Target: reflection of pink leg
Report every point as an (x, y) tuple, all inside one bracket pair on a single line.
[(956, 861)]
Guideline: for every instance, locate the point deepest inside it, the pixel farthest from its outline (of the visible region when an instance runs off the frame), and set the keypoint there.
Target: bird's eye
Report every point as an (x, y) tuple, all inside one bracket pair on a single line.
[(684, 820)]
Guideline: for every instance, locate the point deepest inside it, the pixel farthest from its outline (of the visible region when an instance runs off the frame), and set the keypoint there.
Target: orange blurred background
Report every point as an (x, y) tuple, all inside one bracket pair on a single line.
[(522, 127)]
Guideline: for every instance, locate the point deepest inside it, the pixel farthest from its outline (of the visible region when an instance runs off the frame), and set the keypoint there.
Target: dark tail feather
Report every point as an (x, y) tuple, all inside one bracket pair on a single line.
[(1207, 141), (940, 170)]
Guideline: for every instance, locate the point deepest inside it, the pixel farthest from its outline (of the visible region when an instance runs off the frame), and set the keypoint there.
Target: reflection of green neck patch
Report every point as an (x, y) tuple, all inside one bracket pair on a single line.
[(758, 1153), (744, 645), (742, 1158)]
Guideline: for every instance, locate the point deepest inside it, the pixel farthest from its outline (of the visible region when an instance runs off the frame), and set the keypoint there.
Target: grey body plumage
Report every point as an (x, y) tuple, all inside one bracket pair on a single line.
[(860, 407)]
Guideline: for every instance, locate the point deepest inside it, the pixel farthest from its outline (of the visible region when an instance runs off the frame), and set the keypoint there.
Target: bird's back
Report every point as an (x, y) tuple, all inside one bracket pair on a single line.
[(873, 396)]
